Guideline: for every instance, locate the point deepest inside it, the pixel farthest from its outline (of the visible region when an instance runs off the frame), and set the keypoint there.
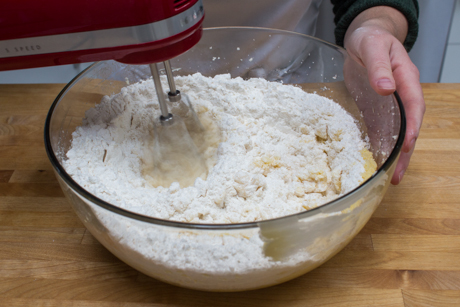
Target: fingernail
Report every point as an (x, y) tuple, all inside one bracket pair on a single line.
[(385, 84), (401, 175), (412, 143)]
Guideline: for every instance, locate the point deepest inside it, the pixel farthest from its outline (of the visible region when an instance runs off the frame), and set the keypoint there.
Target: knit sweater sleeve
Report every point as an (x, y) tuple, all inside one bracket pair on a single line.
[(346, 10)]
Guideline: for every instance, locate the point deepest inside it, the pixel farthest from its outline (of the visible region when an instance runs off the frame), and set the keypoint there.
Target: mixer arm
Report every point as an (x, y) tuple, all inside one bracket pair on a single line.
[(54, 32)]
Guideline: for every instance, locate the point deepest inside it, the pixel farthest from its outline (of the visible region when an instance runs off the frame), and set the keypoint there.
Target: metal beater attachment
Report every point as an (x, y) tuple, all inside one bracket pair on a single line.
[(174, 94), (175, 156), (185, 108), (165, 115)]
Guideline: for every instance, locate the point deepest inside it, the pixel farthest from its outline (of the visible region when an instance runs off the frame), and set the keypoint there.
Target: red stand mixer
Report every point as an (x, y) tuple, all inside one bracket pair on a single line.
[(55, 32)]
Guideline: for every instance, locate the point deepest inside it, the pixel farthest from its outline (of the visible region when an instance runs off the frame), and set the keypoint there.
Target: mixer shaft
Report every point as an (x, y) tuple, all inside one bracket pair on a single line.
[(174, 94), (165, 115)]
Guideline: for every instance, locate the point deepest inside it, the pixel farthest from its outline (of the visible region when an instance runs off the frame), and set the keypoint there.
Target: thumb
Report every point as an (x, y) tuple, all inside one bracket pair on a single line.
[(376, 59)]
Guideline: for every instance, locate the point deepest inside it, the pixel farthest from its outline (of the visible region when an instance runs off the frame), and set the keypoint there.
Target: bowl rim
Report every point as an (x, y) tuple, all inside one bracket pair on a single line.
[(59, 169)]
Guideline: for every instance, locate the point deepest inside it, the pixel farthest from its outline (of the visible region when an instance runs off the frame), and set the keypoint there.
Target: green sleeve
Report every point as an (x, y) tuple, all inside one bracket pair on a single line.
[(346, 10)]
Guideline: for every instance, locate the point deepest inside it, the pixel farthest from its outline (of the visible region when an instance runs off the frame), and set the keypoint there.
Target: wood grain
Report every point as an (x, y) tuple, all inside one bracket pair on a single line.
[(436, 298), (407, 255)]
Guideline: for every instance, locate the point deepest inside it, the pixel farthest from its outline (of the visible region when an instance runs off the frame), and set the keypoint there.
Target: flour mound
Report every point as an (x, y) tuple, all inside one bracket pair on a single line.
[(274, 150)]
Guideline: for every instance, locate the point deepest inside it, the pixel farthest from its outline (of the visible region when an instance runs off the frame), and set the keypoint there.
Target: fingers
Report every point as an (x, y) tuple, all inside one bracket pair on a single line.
[(401, 167), (408, 86), (390, 68)]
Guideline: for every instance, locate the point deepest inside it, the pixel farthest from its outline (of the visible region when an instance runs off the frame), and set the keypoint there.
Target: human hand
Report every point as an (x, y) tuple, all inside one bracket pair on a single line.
[(374, 40)]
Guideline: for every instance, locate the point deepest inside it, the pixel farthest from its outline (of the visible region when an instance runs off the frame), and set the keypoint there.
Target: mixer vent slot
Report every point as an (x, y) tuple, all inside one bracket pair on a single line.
[(178, 4)]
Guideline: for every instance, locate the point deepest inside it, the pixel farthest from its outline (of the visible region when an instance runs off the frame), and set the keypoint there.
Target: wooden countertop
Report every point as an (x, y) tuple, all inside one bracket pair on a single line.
[(407, 255)]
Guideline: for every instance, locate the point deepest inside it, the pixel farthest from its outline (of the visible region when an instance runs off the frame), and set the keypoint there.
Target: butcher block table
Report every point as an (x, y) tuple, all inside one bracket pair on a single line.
[(408, 254)]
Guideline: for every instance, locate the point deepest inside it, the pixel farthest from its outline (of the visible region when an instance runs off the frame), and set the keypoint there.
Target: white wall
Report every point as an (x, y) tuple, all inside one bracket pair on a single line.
[(451, 68), (430, 47)]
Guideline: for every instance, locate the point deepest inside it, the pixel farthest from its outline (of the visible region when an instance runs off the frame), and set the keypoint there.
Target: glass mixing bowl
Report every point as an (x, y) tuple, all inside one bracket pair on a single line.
[(236, 257)]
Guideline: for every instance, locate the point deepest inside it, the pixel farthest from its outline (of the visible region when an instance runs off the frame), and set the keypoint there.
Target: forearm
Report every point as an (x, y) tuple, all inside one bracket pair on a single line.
[(347, 11), (380, 17)]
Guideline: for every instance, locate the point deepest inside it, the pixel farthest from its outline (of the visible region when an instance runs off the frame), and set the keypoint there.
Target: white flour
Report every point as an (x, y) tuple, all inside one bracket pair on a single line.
[(282, 151)]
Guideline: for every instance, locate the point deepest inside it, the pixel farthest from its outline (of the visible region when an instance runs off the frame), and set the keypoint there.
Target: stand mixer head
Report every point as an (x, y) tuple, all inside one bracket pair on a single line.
[(54, 32)]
